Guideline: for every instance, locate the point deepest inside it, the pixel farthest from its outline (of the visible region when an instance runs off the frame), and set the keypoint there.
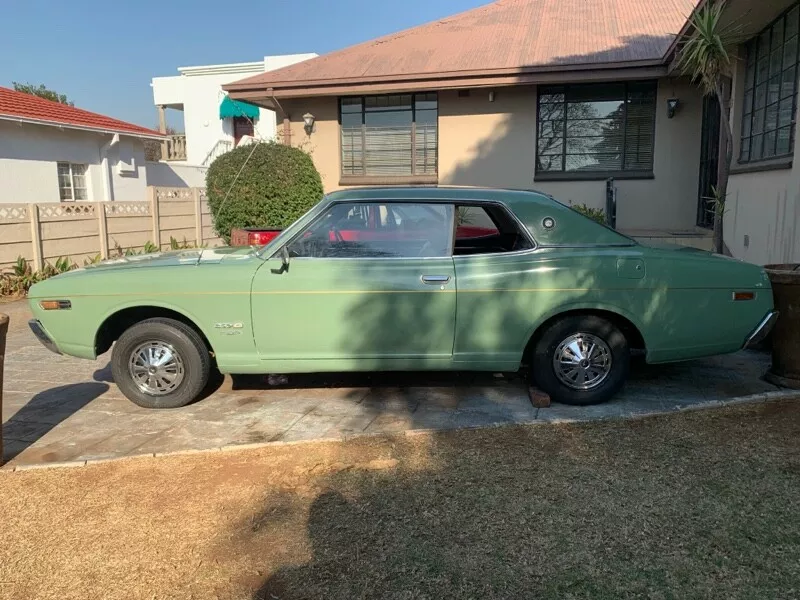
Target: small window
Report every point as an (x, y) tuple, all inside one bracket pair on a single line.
[(394, 135), (379, 230), (72, 182), (487, 229)]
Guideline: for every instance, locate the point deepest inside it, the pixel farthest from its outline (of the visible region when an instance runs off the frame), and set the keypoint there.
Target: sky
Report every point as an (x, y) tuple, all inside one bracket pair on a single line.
[(102, 54)]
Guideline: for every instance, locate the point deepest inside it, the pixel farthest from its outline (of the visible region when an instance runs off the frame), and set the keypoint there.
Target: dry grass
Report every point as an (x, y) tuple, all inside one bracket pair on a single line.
[(691, 505)]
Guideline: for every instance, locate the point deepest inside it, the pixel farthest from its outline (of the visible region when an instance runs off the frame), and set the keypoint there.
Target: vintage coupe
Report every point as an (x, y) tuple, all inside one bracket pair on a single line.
[(390, 279)]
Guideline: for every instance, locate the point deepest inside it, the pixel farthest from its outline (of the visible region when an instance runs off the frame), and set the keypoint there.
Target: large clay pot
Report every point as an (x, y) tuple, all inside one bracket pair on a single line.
[(3, 332), (785, 369)]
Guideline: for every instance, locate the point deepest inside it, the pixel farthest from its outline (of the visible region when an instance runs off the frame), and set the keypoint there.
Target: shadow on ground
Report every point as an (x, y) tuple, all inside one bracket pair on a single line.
[(45, 411)]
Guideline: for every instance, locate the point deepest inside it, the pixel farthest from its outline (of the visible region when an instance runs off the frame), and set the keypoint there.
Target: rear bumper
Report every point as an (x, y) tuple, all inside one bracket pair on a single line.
[(762, 330), (41, 335)]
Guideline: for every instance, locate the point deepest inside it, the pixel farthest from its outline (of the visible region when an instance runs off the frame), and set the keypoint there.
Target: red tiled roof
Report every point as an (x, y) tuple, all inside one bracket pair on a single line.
[(502, 37), (27, 107)]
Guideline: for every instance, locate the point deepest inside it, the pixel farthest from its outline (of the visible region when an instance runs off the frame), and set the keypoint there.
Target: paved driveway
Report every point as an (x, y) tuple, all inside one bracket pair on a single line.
[(63, 409)]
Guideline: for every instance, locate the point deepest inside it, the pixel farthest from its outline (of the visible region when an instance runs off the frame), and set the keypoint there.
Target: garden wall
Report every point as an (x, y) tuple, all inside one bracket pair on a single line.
[(43, 232)]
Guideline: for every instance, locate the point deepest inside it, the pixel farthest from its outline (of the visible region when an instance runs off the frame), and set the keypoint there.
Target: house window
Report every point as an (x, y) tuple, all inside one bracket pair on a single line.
[(72, 182), (596, 128), (770, 91), (393, 135)]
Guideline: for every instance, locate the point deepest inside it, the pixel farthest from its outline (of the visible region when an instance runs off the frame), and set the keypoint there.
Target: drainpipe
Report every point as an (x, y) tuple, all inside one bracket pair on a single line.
[(108, 188)]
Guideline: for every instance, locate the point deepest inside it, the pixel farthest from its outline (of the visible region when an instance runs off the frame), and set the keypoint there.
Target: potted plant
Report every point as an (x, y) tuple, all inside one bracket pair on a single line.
[(785, 371)]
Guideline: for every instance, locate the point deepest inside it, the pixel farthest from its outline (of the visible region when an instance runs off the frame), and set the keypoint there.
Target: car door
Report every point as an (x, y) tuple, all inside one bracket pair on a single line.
[(364, 286)]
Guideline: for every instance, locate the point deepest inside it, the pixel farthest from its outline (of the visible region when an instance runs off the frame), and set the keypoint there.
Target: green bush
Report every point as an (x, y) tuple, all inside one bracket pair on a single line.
[(276, 186), (596, 214)]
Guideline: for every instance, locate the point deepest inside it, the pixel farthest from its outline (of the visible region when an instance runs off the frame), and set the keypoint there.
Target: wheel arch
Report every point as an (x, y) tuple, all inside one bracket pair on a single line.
[(121, 319), (626, 323)]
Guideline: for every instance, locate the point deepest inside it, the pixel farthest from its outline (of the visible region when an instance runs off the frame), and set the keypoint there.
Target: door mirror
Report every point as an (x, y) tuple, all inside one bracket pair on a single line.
[(284, 255)]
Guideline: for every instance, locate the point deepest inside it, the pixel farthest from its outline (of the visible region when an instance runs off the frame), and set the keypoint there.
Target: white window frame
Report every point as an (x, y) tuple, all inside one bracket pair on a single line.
[(72, 187)]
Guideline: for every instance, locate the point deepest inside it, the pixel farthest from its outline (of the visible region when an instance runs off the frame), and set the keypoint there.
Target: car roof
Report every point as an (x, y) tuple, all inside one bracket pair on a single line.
[(438, 193)]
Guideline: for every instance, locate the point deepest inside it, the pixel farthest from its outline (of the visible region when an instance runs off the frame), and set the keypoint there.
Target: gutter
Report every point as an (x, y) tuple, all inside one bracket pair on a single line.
[(19, 119), (433, 81)]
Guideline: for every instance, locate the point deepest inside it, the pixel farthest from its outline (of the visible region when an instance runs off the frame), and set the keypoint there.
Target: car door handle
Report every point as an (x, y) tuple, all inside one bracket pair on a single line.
[(435, 279)]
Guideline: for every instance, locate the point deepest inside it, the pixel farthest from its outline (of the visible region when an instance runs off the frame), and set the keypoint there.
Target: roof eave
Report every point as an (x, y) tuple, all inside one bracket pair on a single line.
[(60, 125), (653, 68)]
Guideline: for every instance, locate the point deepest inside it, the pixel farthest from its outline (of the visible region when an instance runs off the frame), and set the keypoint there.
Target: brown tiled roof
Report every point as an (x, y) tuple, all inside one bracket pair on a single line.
[(27, 107), (502, 37)]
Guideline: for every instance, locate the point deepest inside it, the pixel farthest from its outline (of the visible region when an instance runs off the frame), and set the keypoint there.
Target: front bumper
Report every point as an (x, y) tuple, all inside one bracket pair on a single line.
[(41, 335), (762, 330)]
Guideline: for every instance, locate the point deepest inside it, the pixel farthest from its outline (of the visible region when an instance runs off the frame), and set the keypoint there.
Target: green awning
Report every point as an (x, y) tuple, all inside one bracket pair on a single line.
[(236, 108)]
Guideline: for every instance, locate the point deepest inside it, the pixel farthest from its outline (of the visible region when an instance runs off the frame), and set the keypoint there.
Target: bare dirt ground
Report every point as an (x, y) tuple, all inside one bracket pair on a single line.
[(701, 504)]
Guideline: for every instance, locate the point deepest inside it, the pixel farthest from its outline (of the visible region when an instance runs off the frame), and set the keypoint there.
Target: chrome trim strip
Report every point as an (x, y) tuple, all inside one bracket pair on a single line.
[(762, 330)]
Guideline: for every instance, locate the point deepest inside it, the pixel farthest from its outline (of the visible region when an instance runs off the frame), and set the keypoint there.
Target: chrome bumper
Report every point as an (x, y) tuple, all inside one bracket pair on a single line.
[(41, 335), (762, 330)]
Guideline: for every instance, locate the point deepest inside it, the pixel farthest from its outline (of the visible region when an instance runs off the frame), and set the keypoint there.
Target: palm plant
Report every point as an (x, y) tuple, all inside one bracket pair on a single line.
[(704, 56)]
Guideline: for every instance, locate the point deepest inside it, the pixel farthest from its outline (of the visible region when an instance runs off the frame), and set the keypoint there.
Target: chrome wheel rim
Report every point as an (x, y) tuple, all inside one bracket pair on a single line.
[(156, 368), (582, 361)]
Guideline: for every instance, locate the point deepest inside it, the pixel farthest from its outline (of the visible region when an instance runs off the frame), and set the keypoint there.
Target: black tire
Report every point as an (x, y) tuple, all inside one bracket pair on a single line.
[(190, 351), (608, 382)]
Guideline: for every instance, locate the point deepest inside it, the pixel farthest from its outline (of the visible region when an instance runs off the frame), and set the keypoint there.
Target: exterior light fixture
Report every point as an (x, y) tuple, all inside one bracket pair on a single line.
[(672, 107), (491, 96), (308, 120)]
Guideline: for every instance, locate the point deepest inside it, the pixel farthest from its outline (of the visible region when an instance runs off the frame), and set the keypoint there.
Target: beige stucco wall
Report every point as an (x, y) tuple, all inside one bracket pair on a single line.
[(492, 144), (762, 213)]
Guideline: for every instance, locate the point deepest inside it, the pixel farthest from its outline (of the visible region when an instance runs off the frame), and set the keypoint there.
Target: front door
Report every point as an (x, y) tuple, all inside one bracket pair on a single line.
[(367, 287), (242, 126), (709, 160)]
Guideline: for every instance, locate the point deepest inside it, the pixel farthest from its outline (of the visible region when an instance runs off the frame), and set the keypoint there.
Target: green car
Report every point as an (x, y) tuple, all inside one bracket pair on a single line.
[(402, 279)]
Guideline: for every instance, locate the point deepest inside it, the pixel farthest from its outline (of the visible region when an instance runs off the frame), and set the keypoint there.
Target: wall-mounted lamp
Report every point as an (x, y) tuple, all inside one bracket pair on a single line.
[(491, 96), (308, 120), (672, 107)]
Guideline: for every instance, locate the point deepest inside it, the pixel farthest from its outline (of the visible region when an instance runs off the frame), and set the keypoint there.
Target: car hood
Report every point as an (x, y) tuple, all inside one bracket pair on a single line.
[(173, 259)]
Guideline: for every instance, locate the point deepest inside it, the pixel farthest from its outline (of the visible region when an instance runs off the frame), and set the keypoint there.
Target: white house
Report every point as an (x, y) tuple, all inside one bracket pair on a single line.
[(213, 124), (51, 152)]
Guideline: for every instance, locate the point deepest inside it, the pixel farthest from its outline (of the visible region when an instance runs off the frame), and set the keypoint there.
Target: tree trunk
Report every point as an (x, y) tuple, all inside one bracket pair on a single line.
[(724, 163)]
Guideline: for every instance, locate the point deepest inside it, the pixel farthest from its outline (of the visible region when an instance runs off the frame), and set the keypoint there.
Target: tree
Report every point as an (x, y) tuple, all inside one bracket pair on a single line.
[(42, 92), (703, 55)]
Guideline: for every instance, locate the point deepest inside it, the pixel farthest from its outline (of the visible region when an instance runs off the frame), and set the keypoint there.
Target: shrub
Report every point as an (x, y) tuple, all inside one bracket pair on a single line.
[(596, 214), (277, 184)]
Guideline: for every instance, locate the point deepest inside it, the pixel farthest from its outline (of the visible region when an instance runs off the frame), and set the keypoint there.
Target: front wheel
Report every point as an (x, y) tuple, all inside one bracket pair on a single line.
[(160, 363), (581, 360)]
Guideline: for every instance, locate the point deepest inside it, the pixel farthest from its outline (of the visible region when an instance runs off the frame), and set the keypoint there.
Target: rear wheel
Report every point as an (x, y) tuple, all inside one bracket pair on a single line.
[(160, 363), (581, 360)]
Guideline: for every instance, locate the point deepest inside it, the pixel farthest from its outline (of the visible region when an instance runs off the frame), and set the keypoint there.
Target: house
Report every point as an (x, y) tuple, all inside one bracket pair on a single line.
[(560, 96), (51, 152), (212, 123)]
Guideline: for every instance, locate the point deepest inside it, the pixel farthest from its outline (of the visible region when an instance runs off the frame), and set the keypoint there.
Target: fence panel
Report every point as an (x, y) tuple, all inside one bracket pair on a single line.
[(43, 232)]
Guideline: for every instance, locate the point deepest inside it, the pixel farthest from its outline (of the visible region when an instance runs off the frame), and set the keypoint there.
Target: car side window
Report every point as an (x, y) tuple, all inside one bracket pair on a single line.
[(487, 229), (378, 230)]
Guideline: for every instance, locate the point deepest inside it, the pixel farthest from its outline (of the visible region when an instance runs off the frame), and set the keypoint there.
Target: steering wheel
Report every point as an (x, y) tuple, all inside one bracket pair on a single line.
[(425, 247), (337, 235)]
